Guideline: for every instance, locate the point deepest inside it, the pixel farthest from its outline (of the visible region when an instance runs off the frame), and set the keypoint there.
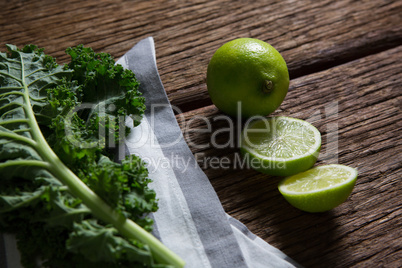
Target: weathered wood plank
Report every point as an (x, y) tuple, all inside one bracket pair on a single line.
[(357, 108), (311, 35)]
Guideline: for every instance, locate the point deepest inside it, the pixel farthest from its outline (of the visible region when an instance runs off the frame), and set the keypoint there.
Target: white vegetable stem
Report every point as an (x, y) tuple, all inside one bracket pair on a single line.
[(103, 211), (99, 208)]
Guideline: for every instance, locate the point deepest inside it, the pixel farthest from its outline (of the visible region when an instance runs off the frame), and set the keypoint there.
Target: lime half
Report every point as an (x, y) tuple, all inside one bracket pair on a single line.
[(280, 146), (319, 189)]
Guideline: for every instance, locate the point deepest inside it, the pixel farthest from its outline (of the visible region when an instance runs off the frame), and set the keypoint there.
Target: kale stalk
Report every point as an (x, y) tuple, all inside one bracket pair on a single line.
[(67, 202)]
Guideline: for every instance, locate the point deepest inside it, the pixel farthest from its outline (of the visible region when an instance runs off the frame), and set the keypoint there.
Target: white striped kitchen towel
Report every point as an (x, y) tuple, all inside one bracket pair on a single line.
[(190, 220)]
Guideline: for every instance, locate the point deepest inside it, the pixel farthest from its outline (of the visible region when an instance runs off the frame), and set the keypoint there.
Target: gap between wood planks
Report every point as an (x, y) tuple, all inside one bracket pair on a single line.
[(315, 67)]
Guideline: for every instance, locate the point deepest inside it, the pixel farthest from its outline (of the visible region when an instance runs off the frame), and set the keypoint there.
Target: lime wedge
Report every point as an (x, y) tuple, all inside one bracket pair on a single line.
[(319, 189), (280, 146)]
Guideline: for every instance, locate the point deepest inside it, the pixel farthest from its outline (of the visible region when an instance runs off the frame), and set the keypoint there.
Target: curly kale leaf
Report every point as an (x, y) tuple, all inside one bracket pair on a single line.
[(58, 184), (110, 92)]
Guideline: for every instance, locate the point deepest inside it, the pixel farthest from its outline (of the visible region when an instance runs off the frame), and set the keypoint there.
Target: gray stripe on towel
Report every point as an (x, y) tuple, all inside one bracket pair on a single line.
[(206, 210)]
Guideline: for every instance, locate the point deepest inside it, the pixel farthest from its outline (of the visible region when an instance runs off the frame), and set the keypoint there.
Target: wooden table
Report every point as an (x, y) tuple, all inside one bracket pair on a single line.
[(344, 59)]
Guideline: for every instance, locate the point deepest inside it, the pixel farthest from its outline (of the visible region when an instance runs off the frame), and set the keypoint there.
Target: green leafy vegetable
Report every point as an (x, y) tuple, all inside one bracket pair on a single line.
[(66, 201)]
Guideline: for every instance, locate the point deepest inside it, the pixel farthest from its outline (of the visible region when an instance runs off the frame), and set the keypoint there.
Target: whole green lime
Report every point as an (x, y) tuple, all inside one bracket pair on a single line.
[(247, 77)]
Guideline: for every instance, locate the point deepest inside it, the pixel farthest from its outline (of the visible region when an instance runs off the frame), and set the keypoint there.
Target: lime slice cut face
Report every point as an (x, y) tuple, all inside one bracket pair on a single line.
[(319, 189), (280, 146)]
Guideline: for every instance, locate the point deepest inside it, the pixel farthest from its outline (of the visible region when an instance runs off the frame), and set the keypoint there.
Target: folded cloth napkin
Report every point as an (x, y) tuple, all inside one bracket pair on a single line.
[(190, 220)]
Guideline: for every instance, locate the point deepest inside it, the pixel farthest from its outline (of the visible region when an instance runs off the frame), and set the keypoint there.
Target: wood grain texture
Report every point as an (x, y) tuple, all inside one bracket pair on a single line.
[(344, 58), (311, 35), (357, 108)]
